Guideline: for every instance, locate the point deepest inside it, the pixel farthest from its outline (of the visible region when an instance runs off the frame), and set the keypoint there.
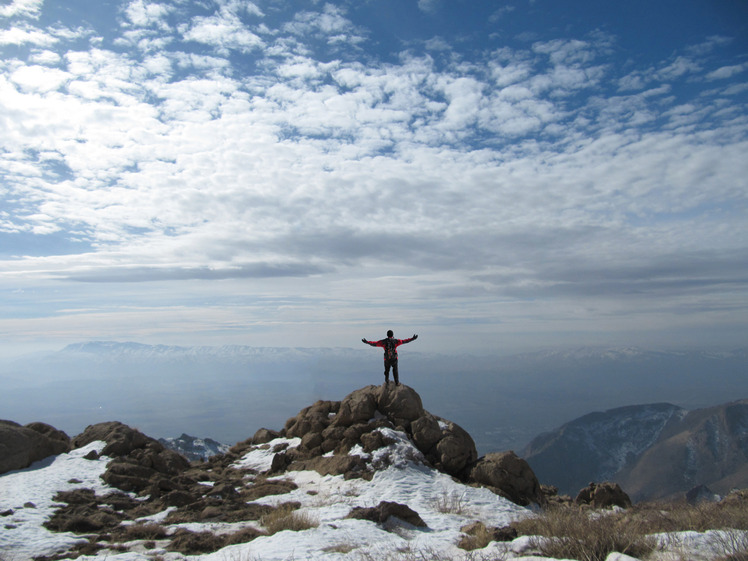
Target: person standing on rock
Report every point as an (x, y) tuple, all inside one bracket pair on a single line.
[(390, 345)]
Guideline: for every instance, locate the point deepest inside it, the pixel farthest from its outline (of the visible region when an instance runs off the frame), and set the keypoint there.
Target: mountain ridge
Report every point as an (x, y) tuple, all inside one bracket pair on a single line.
[(195, 448), (654, 451), (582, 352)]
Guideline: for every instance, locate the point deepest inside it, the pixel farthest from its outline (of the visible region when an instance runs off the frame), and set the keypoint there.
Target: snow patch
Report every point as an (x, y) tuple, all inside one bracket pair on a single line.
[(29, 494), (261, 458), (404, 479)]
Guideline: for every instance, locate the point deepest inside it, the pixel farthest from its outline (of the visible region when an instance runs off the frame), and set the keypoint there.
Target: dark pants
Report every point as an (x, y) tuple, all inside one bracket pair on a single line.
[(387, 365)]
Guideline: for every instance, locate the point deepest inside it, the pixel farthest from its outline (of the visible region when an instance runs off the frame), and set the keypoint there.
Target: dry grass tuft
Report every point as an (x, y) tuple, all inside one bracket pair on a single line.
[(450, 503), (192, 543), (476, 540), (287, 517), (339, 548), (243, 536), (681, 516), (573, 533), (149, 531), (477, 535)]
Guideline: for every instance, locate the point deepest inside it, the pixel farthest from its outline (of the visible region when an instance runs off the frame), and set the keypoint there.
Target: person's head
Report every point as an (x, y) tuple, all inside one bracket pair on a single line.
[(390, 333)]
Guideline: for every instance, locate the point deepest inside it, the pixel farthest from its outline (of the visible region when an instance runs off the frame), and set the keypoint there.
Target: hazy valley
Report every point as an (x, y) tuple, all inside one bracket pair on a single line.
[(225, 393)]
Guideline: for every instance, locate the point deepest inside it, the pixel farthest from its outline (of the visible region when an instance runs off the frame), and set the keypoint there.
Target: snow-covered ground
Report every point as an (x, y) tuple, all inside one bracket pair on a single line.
[(443, 503), (29, 494)]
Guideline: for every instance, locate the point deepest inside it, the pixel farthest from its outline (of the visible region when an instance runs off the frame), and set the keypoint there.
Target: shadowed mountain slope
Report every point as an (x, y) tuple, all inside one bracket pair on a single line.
[(653, 451)]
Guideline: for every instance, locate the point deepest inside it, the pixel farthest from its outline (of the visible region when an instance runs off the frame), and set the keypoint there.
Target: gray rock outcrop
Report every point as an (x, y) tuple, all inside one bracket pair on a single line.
[(339, 426), (140, 463), (120, 439), (510, 476), (386, 509), (21, 446), (603, 495)]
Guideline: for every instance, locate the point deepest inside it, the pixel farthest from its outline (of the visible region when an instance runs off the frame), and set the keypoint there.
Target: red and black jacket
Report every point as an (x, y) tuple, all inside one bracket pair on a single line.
[(389, 343)]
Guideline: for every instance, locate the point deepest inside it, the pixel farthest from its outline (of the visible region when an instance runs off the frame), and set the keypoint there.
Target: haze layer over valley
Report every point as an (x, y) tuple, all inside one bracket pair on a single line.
[(228, 392)]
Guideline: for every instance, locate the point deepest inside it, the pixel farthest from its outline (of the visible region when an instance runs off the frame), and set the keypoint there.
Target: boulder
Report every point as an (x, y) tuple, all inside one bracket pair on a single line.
[(314, 418), (357, 407), (551, 498), (401, 404), (21, 446), (162, 460), (701, 494), (52, 433), (478, 535), (350, 466), (120, 439), (129, 477), (374, 441), (510, 476), (384, 510), (426, 432), (92, 455), (263, 436), (455, 451), (331, 437), (603, 495), (311, 440), (306, 423)]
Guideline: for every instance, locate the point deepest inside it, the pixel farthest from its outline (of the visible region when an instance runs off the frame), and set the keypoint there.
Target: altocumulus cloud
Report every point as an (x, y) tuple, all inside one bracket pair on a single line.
[(423, 168)]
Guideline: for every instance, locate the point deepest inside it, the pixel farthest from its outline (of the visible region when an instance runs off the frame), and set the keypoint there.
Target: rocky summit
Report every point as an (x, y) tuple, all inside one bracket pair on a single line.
[(337, 427), (368, 432)]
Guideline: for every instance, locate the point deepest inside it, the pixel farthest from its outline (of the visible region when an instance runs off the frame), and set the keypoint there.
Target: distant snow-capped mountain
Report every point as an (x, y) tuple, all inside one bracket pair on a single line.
[(241, 352), (562, 357), (194, 448)]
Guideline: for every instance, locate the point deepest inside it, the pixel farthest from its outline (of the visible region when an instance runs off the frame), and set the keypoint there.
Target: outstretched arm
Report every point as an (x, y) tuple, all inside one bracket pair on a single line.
[(409, 340), (372, 343)]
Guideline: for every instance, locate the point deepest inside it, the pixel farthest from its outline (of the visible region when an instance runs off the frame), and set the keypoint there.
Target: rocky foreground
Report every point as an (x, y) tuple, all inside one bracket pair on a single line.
[(328, 430), (390, 472)]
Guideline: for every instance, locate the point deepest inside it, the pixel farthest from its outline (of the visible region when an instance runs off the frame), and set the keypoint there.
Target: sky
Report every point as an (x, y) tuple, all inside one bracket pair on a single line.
[(493, 176)]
